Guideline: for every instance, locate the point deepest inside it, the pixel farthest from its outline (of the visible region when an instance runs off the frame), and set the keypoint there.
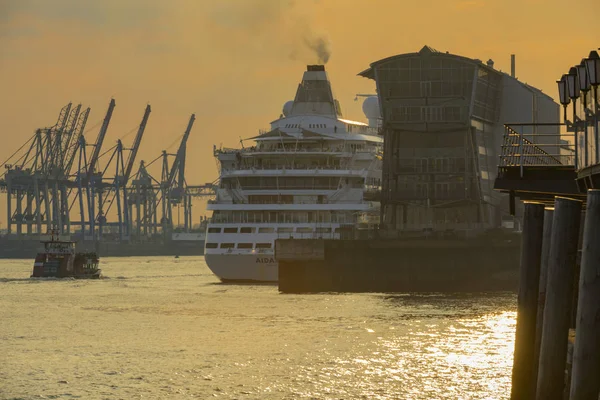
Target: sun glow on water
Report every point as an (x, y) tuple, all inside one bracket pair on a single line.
[(167, 328)]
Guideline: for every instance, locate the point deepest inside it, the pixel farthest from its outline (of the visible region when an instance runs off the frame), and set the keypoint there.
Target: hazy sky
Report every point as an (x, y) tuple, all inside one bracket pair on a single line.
[(235, 62)]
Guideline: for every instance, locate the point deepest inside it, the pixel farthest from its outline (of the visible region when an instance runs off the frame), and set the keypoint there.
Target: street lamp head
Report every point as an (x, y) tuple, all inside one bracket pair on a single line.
[(562, 90), (584, 79), (592, 65), (573, 83)]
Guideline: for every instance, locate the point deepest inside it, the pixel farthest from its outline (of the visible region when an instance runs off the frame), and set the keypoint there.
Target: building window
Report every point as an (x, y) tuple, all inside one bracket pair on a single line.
[(442, 190), (227, 245), (263, 245), (266, 230), (247, 230), (230, 230), (212, 245), (214, 230), (244, 245)]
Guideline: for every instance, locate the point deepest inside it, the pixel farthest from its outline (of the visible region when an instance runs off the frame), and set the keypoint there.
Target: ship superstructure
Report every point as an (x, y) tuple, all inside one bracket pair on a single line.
[(306, 177)]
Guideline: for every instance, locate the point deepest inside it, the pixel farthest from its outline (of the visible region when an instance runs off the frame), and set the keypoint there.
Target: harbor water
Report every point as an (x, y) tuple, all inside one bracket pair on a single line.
[(166, 328)]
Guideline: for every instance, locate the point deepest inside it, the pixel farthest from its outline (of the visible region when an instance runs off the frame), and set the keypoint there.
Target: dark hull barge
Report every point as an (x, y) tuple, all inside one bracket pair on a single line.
[(59, 260)]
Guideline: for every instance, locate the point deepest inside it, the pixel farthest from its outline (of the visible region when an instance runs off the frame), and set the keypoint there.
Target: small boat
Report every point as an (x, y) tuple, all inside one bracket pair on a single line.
[(59, 260)]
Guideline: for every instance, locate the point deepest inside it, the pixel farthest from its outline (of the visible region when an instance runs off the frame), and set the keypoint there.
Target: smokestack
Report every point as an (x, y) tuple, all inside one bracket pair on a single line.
[(512, 65)]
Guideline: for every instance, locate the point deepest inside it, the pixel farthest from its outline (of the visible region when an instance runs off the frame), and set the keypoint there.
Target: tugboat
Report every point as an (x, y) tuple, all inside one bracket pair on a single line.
[(59, 260)]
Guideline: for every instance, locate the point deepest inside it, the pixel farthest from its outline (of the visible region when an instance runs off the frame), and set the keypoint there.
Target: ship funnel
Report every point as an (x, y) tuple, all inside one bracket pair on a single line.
[(314, 95)]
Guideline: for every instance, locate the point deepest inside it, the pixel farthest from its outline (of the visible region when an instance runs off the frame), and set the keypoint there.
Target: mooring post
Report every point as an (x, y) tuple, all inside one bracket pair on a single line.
[(523, 382), (585, 381), (547, 236), (559, 291)]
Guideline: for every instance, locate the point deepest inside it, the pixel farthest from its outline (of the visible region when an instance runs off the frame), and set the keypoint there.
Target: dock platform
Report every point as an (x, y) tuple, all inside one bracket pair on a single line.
[(398, 265)]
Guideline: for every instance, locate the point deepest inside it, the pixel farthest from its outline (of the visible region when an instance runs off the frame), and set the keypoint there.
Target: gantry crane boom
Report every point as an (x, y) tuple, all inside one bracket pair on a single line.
[(136, 145), (67, 136), (100, 140), (76, 141), (178, 166), (53, 141)]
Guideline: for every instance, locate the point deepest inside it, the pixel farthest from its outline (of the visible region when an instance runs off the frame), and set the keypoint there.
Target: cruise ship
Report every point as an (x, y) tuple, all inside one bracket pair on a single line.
[(308, 176)]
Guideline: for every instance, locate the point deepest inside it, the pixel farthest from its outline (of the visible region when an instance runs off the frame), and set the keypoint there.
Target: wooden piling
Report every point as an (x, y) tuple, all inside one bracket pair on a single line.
[(547, 236), (559, 289), (523, 382), (585, 381)]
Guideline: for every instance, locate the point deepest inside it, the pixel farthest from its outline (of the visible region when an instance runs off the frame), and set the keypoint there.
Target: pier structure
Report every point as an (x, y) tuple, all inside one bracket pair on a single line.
[(566, 344), (443, 127), (60, 180)]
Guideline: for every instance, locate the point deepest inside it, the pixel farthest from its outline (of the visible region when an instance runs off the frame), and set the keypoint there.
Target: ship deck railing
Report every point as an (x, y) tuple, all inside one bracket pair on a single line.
[(279, 203), (294, 149), (292, 222), (295, 168)]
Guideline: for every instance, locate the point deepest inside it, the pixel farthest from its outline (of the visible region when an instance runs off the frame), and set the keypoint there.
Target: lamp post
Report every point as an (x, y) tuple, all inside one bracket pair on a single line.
[(584, 86), (573, 89), (592, 66), (584, 80), (563, 94), (573, 93)]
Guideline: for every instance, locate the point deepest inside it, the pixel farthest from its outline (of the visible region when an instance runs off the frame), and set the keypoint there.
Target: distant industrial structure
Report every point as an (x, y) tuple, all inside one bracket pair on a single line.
[(55, 181), (443, 127)]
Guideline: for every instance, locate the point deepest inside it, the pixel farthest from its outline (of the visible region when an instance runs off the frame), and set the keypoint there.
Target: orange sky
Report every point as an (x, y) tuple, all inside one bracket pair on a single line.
[(235, 62)]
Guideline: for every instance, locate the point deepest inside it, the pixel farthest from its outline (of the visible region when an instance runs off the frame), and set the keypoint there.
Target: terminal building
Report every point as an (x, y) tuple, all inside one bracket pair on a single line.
[(443, 122)]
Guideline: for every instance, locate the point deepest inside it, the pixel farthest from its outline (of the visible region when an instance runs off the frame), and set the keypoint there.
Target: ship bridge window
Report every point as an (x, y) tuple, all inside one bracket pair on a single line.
[(263, 245), (214, 230), (247, 230), (212, 245), (227, 245), (304, 230), (285, 230), (244, 245), (230, 230), (266, 230)]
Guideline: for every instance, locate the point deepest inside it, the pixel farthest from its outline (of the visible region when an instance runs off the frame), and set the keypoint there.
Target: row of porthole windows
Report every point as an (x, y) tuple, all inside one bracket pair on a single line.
[(270, 230), (239, 245)]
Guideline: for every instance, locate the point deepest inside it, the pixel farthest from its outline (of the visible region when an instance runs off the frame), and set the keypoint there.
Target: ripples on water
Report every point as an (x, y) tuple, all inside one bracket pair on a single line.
[(165, 327)]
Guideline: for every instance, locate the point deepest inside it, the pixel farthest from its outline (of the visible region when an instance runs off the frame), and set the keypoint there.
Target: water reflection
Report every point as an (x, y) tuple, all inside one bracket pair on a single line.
[(168, 331), (433, 347)]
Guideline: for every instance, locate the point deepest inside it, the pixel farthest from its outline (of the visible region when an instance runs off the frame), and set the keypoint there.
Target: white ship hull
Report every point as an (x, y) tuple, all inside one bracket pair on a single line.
[(243, 267), (253, 264)]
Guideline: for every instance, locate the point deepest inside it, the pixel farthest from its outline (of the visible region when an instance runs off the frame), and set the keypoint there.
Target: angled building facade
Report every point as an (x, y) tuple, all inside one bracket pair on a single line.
[(443, 127)]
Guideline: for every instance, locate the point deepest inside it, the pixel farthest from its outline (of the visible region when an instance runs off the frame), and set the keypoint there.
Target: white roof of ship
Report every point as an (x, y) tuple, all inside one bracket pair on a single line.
[(348, 121), (278, 134)]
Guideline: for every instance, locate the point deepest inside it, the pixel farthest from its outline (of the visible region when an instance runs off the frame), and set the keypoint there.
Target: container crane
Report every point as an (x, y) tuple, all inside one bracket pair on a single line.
[(175, 194), (122, 176), (92, 182)]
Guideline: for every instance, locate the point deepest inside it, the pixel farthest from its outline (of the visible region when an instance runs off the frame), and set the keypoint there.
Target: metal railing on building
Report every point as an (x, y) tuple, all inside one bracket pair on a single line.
[(524, 146)]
